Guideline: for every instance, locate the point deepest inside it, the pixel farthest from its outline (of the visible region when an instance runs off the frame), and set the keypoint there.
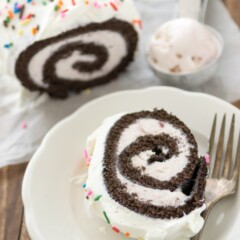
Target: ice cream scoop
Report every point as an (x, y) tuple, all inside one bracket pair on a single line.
[(184, 50)]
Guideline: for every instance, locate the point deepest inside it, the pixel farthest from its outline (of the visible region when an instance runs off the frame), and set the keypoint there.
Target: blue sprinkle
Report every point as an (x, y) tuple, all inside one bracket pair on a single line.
[(84, 185), (8, 45), (16, 8)]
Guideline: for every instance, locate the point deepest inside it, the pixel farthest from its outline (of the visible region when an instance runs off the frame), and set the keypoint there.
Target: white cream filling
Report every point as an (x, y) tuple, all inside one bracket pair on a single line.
[(154, 196), (113, 41), (164, 170)]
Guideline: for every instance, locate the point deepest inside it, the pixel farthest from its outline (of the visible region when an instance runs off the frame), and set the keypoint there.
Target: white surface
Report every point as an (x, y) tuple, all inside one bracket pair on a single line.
[(17, 144), (54, 206)]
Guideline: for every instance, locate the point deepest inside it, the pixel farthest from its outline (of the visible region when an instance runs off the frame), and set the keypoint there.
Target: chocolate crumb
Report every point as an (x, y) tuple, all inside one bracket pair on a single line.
[(175, 69)]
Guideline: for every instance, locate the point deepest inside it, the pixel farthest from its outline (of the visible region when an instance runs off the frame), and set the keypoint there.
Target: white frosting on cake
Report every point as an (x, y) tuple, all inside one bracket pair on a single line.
[(18, 35), (137, 225)]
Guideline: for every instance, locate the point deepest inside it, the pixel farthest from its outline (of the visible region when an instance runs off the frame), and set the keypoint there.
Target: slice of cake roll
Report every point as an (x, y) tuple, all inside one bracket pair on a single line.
[(62, 46), (145, 177)]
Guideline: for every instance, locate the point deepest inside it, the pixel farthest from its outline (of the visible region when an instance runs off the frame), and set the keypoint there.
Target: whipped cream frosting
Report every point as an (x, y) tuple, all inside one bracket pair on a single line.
[(25, 22), (121, 218)]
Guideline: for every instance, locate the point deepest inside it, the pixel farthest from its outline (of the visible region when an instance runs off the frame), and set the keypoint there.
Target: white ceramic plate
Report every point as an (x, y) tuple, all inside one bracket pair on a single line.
[(54, 206)]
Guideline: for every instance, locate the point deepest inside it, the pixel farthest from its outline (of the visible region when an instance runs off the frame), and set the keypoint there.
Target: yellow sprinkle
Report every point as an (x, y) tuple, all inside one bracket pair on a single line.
[(20, 32), (88, 90), (24, 22)]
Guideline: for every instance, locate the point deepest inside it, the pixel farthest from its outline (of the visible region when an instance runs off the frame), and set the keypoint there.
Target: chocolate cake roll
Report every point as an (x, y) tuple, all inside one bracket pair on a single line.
[(145, 177), (60, 46)]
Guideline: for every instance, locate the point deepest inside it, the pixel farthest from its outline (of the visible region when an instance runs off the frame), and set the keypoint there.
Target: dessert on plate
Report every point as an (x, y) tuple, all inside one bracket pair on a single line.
[(145, 178), (61, 46)]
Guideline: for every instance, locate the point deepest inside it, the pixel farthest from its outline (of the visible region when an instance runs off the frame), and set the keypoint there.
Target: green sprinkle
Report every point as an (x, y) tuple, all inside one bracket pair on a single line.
[(97, 198), (8, 19), (106, 217), (44, 3), (56, 8)]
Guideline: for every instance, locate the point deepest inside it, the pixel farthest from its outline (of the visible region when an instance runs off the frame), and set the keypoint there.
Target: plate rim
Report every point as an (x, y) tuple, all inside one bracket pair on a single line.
[(32, 229)]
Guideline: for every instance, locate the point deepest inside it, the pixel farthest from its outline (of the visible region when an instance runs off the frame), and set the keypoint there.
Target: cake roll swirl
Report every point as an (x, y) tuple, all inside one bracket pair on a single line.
[(149, 171), (62, 46), (161, 154), (78, 59)]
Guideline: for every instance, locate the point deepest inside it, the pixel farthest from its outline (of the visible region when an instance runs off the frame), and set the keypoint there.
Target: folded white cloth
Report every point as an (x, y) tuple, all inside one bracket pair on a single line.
[(25, 118)]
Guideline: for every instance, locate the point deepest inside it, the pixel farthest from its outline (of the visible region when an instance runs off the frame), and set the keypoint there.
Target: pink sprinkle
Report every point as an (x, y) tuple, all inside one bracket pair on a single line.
[(63, 13), (161, 124), (87, 157), (89, 193), (24, 125), (207, 158), (114, 6), (96, 4)]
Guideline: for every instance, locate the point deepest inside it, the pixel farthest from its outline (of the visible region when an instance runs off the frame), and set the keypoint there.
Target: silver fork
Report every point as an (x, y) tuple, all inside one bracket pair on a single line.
[(221, 175)]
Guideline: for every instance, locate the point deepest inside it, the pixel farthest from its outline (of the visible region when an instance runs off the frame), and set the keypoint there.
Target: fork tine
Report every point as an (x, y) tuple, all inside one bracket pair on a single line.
[(212, 136), (218, 158), (237, 163), (228, 158)]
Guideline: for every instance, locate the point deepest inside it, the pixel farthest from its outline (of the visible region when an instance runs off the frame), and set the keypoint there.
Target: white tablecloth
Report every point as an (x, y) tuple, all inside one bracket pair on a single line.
[(23, 123)]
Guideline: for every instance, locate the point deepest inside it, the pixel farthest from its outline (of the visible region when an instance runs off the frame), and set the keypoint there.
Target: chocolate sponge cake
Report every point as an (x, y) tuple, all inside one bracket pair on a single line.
[(67, 46), (146, 168)]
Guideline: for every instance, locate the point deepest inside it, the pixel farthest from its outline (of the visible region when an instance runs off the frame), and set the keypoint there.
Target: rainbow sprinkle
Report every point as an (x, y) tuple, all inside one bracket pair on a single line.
[(106, 217), (17, 8), (114, 6), (8, 45), (207, 158), (138, 22), (87, 157), (115, 229), (35, 30), (89, 193), (10, 14), (25, 22), (97, 198)]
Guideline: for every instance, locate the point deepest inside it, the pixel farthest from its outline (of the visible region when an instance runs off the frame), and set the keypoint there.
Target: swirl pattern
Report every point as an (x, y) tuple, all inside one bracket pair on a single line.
[(78, 59), (151, 165)]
